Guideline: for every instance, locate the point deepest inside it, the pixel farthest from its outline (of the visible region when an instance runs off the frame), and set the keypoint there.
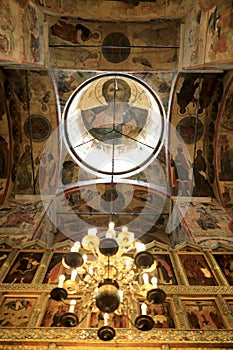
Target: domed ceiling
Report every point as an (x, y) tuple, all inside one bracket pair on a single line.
[(191, 129)]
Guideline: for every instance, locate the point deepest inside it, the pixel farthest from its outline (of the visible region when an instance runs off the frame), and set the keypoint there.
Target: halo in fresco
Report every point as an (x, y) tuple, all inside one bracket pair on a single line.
[(111, 50), (186, 129), (37, 128)]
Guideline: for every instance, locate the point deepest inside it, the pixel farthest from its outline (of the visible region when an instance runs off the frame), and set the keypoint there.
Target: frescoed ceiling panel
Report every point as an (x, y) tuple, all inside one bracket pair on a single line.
[(99, 46), (124, 10)]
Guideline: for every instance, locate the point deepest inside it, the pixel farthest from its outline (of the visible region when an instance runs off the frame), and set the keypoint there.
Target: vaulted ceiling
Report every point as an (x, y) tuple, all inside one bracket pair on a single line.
[(182, 50)]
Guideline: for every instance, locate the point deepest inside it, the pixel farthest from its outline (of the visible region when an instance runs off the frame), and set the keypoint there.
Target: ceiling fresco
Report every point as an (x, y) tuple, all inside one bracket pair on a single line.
[(137, 196), (117, 9), (197, 109), (69, 142)]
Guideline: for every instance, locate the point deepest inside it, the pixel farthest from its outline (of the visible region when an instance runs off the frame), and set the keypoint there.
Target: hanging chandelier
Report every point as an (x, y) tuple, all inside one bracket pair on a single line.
[(102, 272), (107, 269)]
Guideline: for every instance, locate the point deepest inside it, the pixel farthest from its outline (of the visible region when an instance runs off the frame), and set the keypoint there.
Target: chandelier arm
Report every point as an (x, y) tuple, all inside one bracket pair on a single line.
[(133, 294), (131, 322), (82, 279), (94, 252), (65, 302), (92, 277), (83, 318)]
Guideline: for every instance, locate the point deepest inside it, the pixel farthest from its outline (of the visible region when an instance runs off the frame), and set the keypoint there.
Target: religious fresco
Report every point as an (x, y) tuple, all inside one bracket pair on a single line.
[(17, 22), (24, 268), (37, 127), (162, 315), (23, 3), (197, 270), (180, 233), (182, 136), (192, 147), (203, 314), (186, 129), (208, 4), (195, 37), (5, 142), (219, 33), (19, 219), (67, 81), (16, 311), (8, 28), (143, 206), (33, 28), (217, 45), (53, 312), (92, 45), (33, 120), (225, 151), (225, 262), (115, 320), (202, 308), (165, 270), (55, 269), (208, 223), (140, 9)]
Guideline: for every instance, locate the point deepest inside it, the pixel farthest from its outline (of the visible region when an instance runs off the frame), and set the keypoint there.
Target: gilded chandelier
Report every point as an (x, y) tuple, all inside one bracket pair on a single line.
[(101, 272)]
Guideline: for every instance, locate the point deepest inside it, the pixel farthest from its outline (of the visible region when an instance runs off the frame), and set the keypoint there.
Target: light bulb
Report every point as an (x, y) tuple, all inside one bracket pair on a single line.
[(61, 281), (72, 305), (124, 229), (111, 233), (143, 308), (145, 278), (140, 247), (106, 317), (75, 247), (92, 231), (84, 258), (121, 295), (111, 225), (154, 281), (73, 275)]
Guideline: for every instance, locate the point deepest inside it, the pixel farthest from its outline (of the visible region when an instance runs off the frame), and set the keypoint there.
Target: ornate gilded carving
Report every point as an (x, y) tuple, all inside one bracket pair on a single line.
[(180, 313), (226, 312), (76, 336), (54, 337)]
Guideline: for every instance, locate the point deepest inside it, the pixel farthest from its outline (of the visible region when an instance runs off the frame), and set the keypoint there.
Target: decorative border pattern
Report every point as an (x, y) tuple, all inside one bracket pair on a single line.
[(79, 336)]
